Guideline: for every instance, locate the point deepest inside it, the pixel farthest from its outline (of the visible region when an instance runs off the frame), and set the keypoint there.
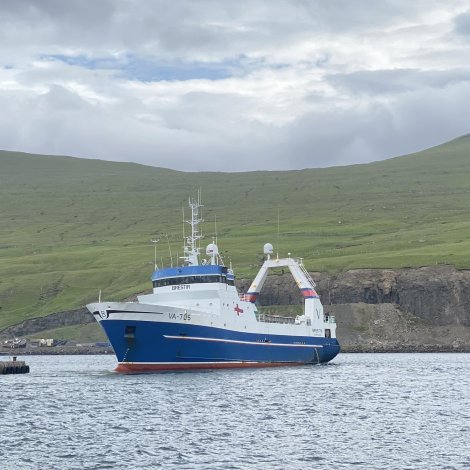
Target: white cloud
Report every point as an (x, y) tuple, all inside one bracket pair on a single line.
[(234, 85)]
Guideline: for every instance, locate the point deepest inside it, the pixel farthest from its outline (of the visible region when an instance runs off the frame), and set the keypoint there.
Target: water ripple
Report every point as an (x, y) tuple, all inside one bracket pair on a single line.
[(385, 411)]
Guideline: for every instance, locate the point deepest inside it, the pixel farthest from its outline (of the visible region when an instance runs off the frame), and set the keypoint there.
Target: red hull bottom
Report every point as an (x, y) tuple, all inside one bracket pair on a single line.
[(129, 367)]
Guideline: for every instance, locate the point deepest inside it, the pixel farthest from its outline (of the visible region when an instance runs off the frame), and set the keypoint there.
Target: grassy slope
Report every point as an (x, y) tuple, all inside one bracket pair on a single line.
[(73, 226), (89, 333)]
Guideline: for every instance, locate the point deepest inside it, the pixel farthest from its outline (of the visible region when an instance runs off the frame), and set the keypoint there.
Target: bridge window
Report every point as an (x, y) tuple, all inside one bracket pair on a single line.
[(173, 281)]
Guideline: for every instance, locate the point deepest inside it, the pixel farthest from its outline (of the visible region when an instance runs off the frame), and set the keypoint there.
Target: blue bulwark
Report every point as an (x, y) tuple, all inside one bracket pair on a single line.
[(189, 271)]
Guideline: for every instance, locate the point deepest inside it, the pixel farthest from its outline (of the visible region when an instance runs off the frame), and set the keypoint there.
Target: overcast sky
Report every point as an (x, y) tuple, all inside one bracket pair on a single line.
[(233, 85)]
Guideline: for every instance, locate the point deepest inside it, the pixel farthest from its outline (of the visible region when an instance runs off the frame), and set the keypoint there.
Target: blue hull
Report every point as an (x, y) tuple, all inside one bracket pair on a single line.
[(145, 346)]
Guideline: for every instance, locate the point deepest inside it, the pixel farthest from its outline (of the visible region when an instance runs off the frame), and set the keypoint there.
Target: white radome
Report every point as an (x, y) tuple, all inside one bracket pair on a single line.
[(268, 249), (212, 249)]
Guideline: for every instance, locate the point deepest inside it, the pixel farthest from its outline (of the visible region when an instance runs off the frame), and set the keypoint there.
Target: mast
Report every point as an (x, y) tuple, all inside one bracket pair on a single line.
[(191, 248)]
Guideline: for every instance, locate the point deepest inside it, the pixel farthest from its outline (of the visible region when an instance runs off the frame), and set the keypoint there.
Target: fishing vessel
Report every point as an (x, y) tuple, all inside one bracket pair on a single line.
[(196, 319)]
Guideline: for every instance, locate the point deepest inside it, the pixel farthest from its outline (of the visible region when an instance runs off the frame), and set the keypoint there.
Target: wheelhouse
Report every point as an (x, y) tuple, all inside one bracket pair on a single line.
[(193, 275)]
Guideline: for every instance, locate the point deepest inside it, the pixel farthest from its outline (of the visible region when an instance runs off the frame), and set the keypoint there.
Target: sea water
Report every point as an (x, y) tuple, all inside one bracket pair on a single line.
[(385, 411)]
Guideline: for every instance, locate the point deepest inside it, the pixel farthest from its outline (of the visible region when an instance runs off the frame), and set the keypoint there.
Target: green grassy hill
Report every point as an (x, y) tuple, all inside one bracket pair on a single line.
[(70, 227)]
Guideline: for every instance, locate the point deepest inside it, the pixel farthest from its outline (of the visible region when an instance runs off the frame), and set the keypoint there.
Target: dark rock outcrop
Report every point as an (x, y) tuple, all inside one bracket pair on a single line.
[(438, 294), (55, 320), (387, 328)]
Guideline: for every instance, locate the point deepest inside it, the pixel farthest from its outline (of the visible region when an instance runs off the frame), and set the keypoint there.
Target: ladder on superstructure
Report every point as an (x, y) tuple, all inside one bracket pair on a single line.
[(306, 273)]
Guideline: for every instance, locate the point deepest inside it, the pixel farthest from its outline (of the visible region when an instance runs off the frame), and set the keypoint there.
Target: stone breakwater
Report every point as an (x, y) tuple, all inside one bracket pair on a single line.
[(13, 367)]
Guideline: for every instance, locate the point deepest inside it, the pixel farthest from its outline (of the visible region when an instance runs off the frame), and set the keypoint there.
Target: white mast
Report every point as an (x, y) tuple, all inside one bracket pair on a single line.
[(155, 241), (191, 249)]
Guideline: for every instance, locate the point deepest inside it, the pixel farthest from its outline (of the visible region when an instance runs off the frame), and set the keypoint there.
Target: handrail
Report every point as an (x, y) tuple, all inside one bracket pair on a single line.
[(307, 275), (263, 317)]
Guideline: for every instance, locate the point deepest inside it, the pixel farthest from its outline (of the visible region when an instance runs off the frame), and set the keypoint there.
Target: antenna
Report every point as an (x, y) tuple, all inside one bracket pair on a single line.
[(215, 227), (155, 251), (99, 297), (184, 223), (199, 199), (277, 244), (169, 249)]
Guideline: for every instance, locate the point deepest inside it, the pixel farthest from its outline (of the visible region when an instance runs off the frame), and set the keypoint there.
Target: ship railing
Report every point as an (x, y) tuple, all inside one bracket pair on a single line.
[(329, 319), (306, 273), (263, 317)]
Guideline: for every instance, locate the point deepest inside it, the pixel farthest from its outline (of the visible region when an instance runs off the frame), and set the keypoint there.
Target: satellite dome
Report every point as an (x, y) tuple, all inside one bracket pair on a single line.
[(268, 249), (212, 249)]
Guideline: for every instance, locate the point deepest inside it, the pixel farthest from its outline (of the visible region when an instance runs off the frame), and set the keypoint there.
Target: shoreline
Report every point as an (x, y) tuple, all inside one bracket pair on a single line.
[(359, 349), (58, 351), (406, 350)]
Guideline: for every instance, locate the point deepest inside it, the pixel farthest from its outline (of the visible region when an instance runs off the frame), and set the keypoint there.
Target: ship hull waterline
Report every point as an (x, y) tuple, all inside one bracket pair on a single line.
[(160, 346)]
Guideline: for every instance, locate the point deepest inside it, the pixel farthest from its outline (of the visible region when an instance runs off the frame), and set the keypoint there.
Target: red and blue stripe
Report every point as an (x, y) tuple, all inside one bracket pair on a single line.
[(309, 293)]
